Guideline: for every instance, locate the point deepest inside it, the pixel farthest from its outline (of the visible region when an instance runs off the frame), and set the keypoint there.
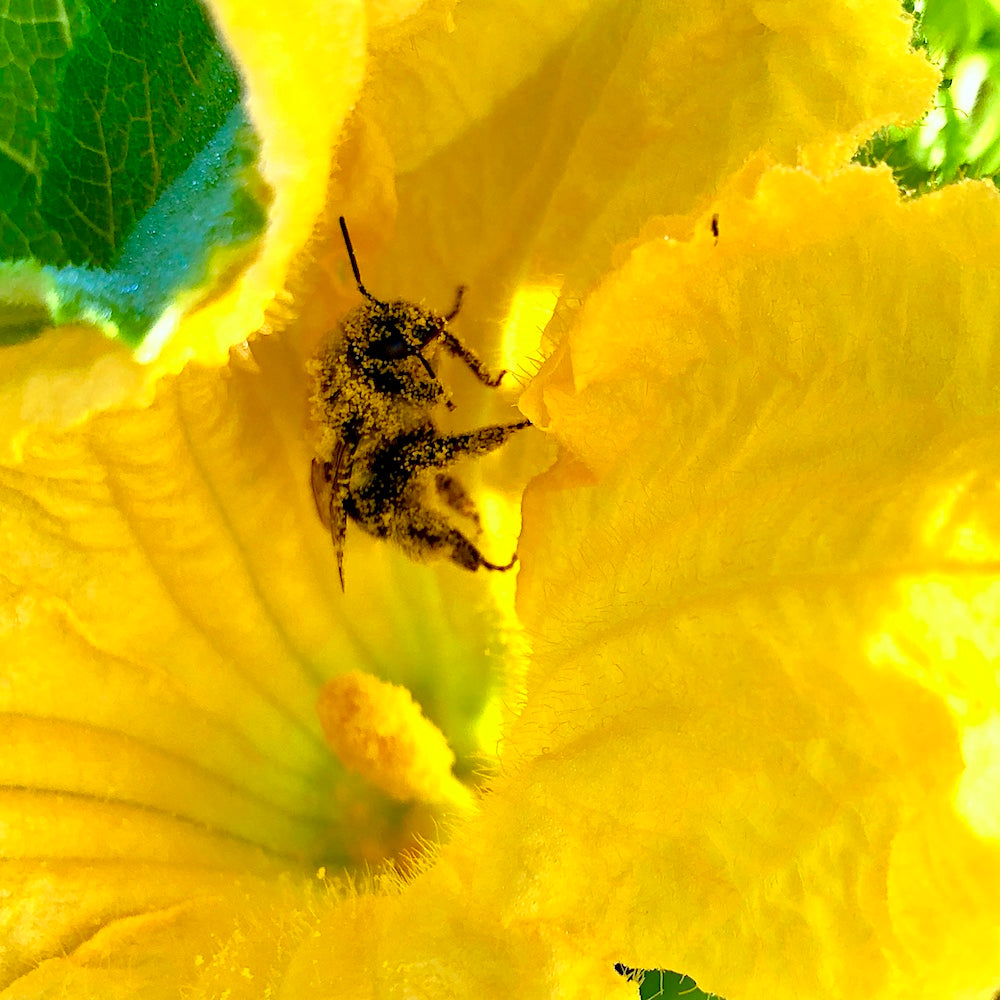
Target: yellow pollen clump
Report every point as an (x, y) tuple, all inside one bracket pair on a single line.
[(377, 730)]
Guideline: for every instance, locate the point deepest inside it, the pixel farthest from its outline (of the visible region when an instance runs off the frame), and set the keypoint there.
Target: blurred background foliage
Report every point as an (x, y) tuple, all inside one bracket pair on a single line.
[(960, 136)]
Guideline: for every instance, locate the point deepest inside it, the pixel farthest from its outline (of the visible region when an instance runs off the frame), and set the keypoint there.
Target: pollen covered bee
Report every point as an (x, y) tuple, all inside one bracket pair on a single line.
[(381, 460)]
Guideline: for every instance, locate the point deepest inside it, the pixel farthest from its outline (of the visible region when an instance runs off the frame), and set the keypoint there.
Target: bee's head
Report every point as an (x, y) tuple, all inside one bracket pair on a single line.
[(396, 330), (391, 331)]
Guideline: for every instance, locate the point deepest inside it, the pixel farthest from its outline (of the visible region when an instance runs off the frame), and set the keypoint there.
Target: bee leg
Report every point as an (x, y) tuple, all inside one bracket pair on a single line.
[(454, 346), (459, 295), (455, 495), (468, 556), (424, 532), (439, 450)]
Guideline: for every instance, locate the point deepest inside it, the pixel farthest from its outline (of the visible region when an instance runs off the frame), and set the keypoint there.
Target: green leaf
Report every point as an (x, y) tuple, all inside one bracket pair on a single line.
[(126, 163), (661, 984)]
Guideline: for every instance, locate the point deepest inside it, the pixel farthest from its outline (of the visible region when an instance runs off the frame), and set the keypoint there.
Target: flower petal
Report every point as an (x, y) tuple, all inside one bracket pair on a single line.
[(170, 609), (537, 137), (303, 64), (752, 777), (745, 731), (146, 515)]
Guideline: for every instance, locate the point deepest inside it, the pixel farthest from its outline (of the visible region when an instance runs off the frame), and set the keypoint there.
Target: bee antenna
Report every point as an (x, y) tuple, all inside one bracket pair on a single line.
[(354, 262)]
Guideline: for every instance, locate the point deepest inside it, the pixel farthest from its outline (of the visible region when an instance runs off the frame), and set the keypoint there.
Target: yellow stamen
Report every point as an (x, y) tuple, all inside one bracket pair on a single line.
[(378, 731)]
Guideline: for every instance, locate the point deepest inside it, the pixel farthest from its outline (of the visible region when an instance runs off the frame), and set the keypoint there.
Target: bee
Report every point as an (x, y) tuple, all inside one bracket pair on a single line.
[(381, 460)]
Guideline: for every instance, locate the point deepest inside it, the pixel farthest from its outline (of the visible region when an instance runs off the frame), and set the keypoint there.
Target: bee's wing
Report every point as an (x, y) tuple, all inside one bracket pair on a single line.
[(330, 483), (322, 489)]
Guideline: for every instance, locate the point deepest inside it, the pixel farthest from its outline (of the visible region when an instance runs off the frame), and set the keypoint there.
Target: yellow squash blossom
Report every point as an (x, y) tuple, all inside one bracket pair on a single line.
[(745, 723)]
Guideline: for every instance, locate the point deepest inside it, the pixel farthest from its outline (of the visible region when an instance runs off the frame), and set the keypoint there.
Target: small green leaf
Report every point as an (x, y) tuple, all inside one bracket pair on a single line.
[(126, 163), (661, 984)]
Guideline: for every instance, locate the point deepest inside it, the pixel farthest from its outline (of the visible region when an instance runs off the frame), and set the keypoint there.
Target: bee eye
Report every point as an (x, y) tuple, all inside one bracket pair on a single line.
[(391, 346)]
